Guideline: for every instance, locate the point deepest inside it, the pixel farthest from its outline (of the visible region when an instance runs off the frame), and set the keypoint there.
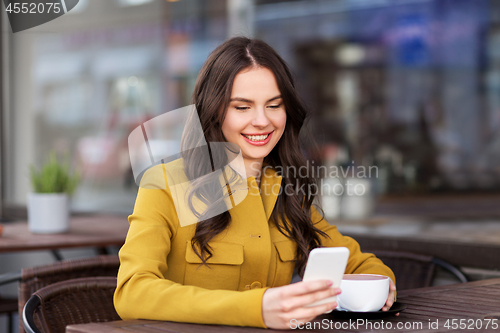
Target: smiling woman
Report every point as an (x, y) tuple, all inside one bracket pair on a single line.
[(235, 268), (254, 121)]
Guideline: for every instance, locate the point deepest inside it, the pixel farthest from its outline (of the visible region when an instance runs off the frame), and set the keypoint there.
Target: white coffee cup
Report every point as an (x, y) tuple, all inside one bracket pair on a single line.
[(363, 292)]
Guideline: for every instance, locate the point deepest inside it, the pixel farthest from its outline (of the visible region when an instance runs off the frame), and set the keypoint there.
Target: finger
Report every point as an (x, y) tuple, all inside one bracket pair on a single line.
[(388, 303), (392, 286), (309, 313), (303, 300), (301, 288)]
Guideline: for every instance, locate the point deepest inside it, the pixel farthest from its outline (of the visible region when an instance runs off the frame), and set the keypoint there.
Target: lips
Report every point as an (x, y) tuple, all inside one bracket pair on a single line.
[(259, 139)]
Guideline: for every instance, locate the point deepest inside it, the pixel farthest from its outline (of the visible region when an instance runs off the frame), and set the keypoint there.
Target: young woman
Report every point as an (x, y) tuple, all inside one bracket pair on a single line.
[(235, 268)]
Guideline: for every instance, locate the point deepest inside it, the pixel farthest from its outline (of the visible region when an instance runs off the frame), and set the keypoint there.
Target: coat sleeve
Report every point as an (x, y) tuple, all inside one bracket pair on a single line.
[(143, 292), (359, 262)]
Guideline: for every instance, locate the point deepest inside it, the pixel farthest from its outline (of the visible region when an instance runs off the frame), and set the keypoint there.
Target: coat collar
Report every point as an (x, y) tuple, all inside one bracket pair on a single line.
[(270, 187)]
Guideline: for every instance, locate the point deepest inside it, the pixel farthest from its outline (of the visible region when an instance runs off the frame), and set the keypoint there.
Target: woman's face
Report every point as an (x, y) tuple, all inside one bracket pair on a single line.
[(256, 117)]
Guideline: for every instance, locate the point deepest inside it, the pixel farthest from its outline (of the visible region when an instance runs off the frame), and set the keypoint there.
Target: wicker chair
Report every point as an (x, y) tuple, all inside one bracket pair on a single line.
[(8, 306), (76, 301), (35, 278), (416, 270)]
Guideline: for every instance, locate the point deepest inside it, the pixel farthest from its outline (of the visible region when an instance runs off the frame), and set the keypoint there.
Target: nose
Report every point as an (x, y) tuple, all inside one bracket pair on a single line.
[(260, 118)]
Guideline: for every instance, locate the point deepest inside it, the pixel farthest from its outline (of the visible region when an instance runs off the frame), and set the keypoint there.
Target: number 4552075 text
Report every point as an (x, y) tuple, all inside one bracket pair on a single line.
[(34, 8), (471, 324)]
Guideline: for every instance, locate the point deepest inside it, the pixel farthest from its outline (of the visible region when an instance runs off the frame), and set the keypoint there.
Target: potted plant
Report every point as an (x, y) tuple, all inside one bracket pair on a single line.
[(48, 205)]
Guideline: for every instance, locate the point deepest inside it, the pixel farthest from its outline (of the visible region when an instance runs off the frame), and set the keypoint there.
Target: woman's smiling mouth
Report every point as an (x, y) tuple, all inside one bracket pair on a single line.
[(258, 140)]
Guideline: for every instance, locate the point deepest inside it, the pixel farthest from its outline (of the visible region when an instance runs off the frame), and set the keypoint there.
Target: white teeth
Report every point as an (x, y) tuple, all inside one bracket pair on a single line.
[(256, 137)]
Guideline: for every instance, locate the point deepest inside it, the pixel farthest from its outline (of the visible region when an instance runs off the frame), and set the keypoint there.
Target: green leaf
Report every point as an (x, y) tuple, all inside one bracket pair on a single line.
[(54, 177)]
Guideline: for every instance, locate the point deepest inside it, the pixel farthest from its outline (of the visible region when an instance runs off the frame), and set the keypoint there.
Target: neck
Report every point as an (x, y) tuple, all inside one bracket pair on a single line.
[(253, 168), (248, 168)]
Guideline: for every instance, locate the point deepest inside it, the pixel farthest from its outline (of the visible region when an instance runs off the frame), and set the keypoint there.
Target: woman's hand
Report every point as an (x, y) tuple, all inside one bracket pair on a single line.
[(390, 298), (282, 304)]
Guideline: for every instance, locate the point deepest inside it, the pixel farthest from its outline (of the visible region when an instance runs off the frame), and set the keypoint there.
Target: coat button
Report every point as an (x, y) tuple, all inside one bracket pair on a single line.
[(256, 285)]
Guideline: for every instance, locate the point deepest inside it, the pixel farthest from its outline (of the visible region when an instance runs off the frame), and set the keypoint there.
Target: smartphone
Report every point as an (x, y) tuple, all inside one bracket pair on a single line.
[(326, 263)]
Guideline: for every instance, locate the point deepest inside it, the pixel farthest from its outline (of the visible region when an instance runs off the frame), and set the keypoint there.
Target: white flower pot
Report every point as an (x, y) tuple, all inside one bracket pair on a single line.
[(331, 196), (358, 201), (48, 213)]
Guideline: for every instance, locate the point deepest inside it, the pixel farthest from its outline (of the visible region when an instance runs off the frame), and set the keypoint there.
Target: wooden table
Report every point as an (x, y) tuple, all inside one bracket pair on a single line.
[(85, 231), (97, 231), (433, 309)]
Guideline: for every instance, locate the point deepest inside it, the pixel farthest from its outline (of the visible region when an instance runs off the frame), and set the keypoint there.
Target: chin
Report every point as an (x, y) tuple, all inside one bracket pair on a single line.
[(256, 153), (253, 155)]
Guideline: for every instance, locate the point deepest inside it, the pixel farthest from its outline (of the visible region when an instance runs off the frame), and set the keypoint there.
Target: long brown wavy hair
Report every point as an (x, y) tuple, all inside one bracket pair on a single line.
[(211, 96)]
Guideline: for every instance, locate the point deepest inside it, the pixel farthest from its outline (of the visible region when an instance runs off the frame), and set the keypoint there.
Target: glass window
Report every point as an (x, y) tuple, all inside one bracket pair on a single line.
[(79, 84), (410, 87), (125, 3)]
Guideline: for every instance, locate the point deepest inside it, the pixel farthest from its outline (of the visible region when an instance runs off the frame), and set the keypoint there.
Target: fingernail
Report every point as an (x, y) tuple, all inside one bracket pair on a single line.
[(338, 290), (330, 283)]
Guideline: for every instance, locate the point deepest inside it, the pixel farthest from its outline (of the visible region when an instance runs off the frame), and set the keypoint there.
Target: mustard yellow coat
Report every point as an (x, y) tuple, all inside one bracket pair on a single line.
[(161, 278)]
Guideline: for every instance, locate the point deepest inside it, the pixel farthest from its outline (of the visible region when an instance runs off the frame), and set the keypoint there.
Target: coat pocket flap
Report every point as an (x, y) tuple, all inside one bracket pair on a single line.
[(286, 250), (222, 253)]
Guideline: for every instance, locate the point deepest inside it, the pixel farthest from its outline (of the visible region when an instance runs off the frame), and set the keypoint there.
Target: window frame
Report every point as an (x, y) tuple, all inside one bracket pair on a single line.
[(8, 212), (2, 132)]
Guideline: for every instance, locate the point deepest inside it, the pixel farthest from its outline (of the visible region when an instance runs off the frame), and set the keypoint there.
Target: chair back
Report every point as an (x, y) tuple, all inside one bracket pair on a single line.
[(415, 270), (35, 278), (76, 301), (411, 270)]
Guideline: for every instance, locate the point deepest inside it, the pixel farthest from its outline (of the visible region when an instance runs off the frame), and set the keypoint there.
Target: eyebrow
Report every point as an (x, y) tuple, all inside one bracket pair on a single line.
[(241, 99)]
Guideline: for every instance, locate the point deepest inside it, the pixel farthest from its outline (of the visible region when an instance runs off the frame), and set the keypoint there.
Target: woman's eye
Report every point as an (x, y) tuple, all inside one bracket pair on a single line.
[(275, 106), (241, 108)]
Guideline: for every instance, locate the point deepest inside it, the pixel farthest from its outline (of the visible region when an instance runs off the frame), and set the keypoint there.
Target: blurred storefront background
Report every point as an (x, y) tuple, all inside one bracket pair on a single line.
[(407, 92), (411, 87)]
